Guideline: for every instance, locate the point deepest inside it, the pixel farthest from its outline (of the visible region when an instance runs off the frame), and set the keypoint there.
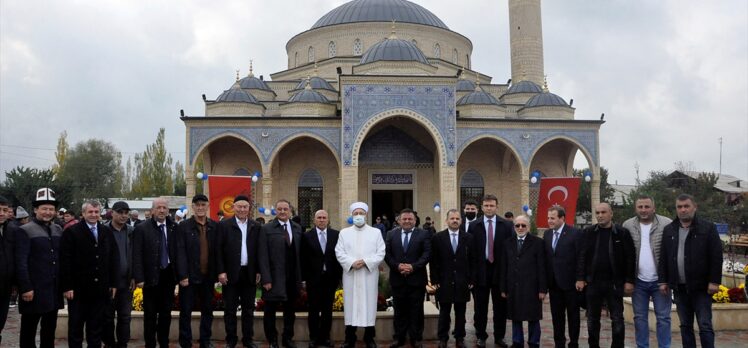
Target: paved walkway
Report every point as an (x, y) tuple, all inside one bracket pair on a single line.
[(725, 339)]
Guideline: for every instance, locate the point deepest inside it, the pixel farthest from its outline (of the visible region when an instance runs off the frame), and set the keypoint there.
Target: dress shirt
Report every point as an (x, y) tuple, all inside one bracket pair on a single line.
[(243, 228)]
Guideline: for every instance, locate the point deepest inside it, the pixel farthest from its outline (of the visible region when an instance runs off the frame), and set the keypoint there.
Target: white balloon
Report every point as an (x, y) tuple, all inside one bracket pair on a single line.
[(267, 212), (437, 208), (587, 178), (254, 178), (529, 212), (533, 180), (199, 175)]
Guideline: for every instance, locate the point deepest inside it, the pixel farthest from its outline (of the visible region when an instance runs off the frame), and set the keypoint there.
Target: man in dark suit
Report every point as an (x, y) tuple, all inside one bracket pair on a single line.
[(489, 236), (408, 250), (89, 270), (236, 266), (470, 211), (154, 255), (7, 260), (565, 270), (120, 307), (198, 242), (321, 273), (452, 268), (279, 258)]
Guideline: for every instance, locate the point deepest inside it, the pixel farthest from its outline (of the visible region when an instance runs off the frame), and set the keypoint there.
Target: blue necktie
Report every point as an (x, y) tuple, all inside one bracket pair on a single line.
[(555, 239), (405, 243), (164, 248), (454, 243), (95, 234)]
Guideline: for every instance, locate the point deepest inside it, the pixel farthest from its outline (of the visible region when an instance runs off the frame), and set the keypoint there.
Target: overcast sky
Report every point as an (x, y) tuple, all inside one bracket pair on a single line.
[(671, 76)]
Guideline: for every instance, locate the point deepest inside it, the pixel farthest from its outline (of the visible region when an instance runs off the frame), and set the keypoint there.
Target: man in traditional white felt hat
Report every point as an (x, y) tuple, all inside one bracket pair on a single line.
[(360, 250)]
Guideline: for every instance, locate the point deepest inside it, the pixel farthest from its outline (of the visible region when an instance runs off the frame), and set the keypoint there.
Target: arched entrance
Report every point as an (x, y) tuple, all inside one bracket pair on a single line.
[(493, 163)]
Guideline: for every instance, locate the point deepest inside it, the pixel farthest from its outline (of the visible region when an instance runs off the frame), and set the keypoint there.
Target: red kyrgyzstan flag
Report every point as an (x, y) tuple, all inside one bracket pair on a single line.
[(557, 191), (223, 189)]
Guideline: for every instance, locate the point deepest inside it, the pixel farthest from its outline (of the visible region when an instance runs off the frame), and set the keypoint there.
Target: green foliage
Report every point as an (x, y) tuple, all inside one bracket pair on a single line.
[(180, 186), (21, 184), (61, 153), (91, 170), (153, 174)]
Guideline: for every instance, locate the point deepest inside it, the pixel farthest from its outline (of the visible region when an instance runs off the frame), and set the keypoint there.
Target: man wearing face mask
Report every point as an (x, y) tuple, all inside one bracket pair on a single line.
[(470, 210), (360, 250)]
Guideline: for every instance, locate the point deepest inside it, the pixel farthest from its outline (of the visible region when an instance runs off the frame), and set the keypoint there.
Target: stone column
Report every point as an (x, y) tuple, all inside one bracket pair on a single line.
[(267, 190), (594, 194), (191, 181), (348, 192), (448, 195), (524, 190)]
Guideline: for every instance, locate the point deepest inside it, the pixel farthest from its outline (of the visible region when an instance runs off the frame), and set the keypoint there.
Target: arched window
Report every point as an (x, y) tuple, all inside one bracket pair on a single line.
[(455, 56), (467, 60), (471, 187), (311, 54), (242, 172), (310, 196), (331, 49), (296, 59), (358, 47), (414, 42), (437, 51)]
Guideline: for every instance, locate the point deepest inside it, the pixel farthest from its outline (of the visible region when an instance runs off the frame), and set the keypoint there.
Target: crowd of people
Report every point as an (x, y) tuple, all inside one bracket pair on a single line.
[(95, 265)]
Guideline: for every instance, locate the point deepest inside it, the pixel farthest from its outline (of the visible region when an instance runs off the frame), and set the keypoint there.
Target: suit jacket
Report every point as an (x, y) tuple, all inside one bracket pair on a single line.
[(620, 249), (188, 251), (272, 259), (418, 255), (37, 268), (502, 231), (453, 271), (703, 255), (230, 251), (7, 255), (87, 266), (314, 259), (565, 265), (523, 278), (146, 251)]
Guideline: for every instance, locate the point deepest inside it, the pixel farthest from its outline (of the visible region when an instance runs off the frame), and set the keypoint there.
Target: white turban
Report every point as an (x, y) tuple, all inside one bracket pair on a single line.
[(359, 205)]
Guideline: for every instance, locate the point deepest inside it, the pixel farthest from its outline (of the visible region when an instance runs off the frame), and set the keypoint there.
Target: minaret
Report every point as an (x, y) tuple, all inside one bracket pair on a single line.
[(526, 41)]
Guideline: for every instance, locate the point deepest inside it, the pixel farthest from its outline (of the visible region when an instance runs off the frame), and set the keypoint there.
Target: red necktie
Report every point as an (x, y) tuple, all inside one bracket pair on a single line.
[(490, 240)]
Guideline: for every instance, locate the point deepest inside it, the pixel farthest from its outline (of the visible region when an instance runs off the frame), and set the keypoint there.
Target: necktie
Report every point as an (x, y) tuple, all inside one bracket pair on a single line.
[(490, 240), (95, 233), (454, 243), (555, 239), (519, 244), (323, 241), (285, 235), (164, 248), (405, 242)]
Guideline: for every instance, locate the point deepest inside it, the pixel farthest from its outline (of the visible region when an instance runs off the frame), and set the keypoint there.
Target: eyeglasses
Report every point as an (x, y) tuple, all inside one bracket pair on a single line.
[(520, 225)]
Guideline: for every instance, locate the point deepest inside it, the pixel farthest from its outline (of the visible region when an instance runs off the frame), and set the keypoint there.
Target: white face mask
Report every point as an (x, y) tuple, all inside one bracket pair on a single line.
[(359, 220)]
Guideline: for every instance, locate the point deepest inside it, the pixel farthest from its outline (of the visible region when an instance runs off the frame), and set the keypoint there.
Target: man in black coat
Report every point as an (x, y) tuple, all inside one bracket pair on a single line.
[(279, 258), (89, 270), (488, 248), (118, 335), (7, 262), (154, 255), (452, 268), (408, 250), (470, 212), (321, 273), (237, 270), (691, 264), (610, 271), (564, 259), (198, 242), (523, 282)]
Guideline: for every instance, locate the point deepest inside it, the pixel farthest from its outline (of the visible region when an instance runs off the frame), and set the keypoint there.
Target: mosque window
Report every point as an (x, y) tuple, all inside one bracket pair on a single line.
[(414, 42), (467, 60), (437, 51), (242, 172), (311, 54), (358, 47), (296, 59), (310, 196), (331, 49), (471, 186), (455, 56)]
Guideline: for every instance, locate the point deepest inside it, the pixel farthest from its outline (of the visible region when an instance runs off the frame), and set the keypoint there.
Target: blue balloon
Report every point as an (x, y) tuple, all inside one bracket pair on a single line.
[(525, 207), (257, 174), (350, 220), (272, 211), (183, 207), (261, 210), (205, 176)]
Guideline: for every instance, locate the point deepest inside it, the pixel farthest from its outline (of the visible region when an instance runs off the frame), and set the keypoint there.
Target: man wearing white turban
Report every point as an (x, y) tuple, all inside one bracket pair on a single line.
[(360, 250)]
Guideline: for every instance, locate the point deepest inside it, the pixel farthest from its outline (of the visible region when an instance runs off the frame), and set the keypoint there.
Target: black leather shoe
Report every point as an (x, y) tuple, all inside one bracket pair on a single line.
[(417, 344), (289, 344), (250, 345), (273, 344), (460, 343), (371, 344), (480, 343), (348, 345), (397, 345), (312, 344), (324, 344), (442, 344), (501, 344)]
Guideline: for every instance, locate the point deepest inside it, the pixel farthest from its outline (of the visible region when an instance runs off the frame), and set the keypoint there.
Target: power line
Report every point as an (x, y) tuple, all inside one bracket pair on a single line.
[(49, 149)]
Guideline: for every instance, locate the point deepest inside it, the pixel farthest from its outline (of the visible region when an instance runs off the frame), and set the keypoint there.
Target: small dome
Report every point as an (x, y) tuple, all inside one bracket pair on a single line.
[(316, 83), (393, 49), (401, 11), (478, 97), (308, 95), (464, 85), (524, 87), (546, 99), (237, 95), (251, 82)]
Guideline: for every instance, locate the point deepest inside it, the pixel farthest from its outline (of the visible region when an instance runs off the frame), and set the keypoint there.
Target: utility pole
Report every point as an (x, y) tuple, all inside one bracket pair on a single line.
[(720, 156)]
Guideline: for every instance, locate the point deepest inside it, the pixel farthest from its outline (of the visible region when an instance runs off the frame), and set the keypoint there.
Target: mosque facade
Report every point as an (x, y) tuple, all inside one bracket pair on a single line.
[(380, 103)]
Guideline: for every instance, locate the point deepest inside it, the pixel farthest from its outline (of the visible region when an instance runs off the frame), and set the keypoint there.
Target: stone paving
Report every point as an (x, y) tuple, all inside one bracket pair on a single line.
[(727, 339)]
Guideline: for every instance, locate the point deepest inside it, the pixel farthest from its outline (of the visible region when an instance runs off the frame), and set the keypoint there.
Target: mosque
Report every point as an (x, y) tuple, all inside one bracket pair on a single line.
[(380, 103)]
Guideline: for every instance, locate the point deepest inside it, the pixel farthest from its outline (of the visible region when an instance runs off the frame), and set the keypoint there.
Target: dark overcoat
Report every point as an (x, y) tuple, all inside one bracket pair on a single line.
[(453, 272), (188, 251), (38, 266), (524, 278), (230, 252), (502, 231), (88, 266), (272, 259), (146, 251)]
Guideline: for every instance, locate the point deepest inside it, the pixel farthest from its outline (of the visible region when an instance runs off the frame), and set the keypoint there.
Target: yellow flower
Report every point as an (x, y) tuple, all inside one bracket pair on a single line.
[(337, 305), (137, 299)]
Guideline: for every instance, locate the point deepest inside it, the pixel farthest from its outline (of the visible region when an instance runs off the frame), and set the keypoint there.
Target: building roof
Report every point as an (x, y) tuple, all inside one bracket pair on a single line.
[(237, 95), (401, 11), (546, 99), (393, 49), (316, 83), (478, 97), (524, 87), (725, 183), (465, 85), (308, 95), (251, 82)]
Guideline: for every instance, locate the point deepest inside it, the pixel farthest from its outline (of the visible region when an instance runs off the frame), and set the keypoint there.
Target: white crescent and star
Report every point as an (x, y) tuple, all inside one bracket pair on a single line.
[(563, 189)]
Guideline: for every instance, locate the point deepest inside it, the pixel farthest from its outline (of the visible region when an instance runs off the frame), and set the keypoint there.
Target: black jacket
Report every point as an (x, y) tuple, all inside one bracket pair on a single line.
[(272, 259), (453, 272), (312, 258), (565, 265), (7, 256), (621, 250), (146, 251), (523, 278), (503, 230), (87, 266), (418, 255), (188, 251), (38, 266), (703, 255), (230, 252)]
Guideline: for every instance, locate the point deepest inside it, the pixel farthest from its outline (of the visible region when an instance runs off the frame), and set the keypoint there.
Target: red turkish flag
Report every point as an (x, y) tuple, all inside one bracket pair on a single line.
[(557, 191), (223, 189)]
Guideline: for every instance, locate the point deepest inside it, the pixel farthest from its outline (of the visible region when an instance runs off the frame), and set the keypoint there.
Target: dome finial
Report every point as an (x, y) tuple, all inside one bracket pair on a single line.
[(237, 75), (392, 35), (308, 85), (251, 74), (316, 70), (545, 83), (477, 82), (462, 72), (523, 76)]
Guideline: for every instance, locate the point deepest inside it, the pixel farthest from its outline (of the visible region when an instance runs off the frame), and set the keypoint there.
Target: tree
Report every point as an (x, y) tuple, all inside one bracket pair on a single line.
[(153, 170), (21, 184), (606, 191), (180, 186), (61, 153), (92, 170)]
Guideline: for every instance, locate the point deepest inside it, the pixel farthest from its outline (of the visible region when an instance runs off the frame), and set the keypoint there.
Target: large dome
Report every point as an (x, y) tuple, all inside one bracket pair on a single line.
[(401, 11), (393, 50)]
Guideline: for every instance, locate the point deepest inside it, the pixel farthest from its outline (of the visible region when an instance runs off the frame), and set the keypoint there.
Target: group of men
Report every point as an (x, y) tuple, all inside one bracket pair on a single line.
[(96, 267)]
